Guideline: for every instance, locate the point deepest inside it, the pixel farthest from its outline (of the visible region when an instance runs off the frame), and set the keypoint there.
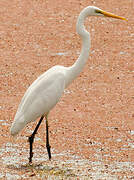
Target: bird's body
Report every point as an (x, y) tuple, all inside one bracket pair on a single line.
[(39, 98), (46, 90)]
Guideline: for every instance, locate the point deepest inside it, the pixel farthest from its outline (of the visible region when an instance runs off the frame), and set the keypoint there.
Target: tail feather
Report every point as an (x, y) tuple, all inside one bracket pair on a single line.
[(17, 125)]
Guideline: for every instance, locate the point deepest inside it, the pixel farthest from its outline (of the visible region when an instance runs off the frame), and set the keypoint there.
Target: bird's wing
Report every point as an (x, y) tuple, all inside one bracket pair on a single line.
[(39, 99), (43, 95)]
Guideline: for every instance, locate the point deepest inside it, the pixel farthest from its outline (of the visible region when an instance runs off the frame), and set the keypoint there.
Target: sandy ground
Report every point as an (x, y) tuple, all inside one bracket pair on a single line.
[(92, 127)]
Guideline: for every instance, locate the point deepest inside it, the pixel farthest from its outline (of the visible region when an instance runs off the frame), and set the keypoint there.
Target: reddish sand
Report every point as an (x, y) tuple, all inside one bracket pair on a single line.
[(92, 127)]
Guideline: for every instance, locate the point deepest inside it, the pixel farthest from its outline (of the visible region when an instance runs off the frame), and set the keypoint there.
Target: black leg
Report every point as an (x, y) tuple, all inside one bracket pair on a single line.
[(47, 140), (31, 139)]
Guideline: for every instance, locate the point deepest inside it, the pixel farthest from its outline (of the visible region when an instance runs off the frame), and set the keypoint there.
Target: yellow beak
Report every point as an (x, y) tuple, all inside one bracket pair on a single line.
[(107, 14)]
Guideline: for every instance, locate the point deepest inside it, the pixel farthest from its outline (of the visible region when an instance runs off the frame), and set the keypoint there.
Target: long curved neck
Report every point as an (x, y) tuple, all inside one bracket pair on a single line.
[(74, 70)]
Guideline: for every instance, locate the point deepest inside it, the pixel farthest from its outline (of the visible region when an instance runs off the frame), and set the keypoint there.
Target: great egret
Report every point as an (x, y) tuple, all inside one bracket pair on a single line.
[(46, 90)]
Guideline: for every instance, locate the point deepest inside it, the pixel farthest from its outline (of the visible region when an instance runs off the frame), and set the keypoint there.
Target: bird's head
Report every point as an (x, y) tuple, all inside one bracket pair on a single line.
[(94, 11)]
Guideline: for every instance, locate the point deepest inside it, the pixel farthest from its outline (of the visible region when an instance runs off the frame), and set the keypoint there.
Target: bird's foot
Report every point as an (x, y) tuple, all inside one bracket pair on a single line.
[(30, 158), (49, 151)]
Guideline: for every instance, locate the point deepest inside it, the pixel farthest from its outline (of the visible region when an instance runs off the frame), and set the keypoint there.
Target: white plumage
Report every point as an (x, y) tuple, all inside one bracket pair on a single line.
[(39, 98)]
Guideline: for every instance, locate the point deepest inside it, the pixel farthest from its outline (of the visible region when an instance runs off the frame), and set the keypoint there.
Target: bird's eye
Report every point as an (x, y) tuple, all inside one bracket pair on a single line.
[(98, 11)]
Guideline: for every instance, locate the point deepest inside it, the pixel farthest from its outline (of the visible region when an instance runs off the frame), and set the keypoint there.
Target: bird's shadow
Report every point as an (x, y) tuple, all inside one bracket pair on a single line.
[(42, 169)]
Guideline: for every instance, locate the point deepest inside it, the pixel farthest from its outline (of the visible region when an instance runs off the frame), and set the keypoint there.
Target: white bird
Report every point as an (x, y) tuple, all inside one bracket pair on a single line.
[(45, 92)]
